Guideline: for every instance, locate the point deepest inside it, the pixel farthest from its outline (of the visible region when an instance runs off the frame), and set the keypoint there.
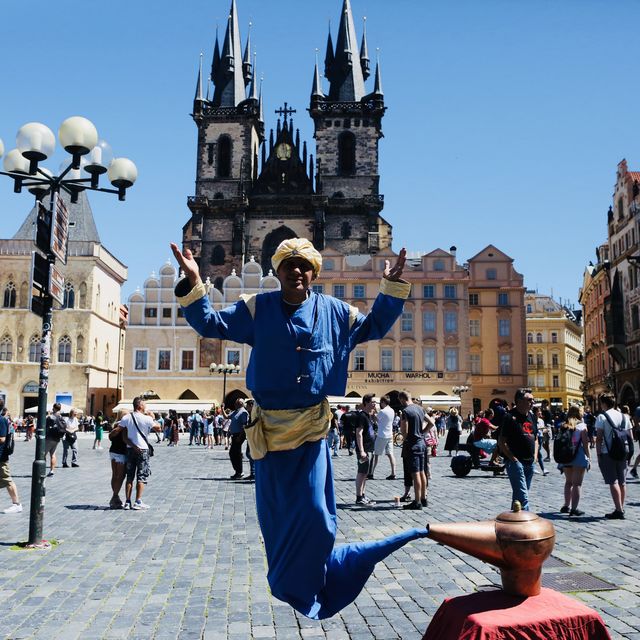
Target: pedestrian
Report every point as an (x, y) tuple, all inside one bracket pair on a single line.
[(99, 423), (349, 421), (574, 471), (239, 419), (518, 442), (118, 456), (537, 414), (301, 342), (252, 467), (208, 431), (173, 428), (70, 440), (454, 429), (383, 444), (333, 437), (160, 428), (137, 425), (614, 471), (6, 448), (413, 427), (31, 428), (365, 436), (55, 429)]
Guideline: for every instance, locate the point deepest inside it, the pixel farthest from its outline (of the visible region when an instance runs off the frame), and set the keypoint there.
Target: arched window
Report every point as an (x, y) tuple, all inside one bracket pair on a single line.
[(64, 349), (106, 357), (35, 349), (97, 309), (6, 349), (224, 157), (538, 337), (69, 296), (346, 154), (345, 230), (530, 338), (217, 257), (9, 301), (80, 348), (529, 359)]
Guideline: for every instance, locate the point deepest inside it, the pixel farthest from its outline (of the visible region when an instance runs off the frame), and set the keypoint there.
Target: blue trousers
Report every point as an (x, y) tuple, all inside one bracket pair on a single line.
[(520, 476), (297, 513)]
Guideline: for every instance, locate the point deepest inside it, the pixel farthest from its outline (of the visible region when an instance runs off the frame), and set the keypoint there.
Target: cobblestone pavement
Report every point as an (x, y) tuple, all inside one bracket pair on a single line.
[(193, 566)]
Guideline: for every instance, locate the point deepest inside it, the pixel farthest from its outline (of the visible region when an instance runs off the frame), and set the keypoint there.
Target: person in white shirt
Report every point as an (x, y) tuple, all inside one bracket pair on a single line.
[(137, 425), (384, 439), (613, 471), (70, 440)]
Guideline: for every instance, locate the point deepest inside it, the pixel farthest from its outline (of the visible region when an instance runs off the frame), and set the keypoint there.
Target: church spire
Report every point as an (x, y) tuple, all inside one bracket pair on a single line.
[(329, 57), (254, 84), (230, 81), (215, 65), (199, 93), (364, 52), (377, 88), (316, 87), (347, 81), (247, 69)]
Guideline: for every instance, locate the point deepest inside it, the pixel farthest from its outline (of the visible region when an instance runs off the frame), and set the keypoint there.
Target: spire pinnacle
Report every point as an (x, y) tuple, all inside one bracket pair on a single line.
[(254, 84), (247, 69), (316, 87), (329, 57), (215, 65), (261, 116), (199, 97), (377, 89), (364, 51)]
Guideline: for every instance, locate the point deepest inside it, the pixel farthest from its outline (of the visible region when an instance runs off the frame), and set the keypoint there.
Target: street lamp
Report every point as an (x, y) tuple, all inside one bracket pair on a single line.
[(223, 369), (35, 142), (460, 389)]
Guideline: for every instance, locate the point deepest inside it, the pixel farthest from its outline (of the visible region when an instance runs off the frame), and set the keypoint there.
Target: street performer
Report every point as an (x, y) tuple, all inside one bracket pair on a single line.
[(301, 341)]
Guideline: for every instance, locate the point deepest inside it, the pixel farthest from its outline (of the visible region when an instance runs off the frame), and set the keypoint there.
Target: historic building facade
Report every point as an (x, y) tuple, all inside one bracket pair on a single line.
[(252, 193), (554, 351), (87, 343)]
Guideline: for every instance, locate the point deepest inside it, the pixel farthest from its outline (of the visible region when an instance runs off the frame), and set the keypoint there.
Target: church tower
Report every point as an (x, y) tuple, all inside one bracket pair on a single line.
[(230, 131)]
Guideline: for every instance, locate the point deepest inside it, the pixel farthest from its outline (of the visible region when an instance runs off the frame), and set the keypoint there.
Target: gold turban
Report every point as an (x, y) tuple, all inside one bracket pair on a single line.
[(297, 248)]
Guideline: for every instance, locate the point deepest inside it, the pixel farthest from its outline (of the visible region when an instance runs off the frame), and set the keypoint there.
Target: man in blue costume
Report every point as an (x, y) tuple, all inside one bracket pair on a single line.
[(301, 341)]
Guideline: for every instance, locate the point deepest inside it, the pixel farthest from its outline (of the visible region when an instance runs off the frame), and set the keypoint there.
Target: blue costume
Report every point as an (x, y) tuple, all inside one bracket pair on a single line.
[(297, 361)]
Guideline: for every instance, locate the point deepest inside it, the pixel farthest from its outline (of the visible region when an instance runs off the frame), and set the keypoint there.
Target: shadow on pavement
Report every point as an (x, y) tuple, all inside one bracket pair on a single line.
[(87, 507)]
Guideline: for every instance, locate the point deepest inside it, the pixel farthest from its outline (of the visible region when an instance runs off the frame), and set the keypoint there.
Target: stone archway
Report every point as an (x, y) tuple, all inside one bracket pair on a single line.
[(270, 244), (187, 394), (627, 396)]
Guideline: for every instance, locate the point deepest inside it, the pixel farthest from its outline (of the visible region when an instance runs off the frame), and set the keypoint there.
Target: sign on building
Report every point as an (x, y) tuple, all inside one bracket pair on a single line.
[(60, 229)]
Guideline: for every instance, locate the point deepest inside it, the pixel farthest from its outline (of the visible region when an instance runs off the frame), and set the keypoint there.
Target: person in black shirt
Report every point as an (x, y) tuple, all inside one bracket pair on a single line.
[(518, 442), (413, 425), (365, 437), (348, 423)]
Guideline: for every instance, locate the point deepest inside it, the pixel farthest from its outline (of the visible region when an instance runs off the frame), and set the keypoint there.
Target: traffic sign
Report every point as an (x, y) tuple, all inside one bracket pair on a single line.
[(39, 284)]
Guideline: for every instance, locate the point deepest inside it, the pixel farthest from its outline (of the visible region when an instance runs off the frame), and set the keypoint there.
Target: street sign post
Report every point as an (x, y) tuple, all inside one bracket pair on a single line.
[(59, 229)]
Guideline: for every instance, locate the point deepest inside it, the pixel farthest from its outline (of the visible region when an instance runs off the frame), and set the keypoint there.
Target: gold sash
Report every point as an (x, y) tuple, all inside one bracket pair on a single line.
[(284, 429)]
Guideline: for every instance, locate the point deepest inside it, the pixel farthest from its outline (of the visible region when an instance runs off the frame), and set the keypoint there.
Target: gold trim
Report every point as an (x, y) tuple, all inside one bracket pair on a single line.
[(396, 289), (195, 294)]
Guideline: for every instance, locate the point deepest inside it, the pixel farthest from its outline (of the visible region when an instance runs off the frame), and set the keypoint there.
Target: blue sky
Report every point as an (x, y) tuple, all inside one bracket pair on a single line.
[(506, 118)]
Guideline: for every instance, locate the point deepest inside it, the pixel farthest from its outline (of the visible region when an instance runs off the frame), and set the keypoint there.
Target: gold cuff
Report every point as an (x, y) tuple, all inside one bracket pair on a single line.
[(195, 294), (397, 289)]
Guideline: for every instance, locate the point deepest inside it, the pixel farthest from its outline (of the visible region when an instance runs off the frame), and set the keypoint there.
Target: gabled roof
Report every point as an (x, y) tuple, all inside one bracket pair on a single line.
[(497, 254)]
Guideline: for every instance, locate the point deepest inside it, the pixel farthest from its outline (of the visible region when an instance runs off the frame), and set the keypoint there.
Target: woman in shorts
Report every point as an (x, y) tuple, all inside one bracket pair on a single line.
[(118, 455), (574, 471)]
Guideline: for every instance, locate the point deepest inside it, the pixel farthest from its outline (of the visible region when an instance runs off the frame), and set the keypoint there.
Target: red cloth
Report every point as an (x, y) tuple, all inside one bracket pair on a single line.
[(495, 615)]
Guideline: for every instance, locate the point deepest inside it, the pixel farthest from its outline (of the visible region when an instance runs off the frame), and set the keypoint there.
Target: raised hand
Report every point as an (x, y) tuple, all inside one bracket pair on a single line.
[(394, 273), (187, 264)]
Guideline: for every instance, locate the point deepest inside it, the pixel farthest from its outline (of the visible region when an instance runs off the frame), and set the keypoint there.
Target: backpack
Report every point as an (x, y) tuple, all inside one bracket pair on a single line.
[(619, 445), (564, 451), (56, 428), (9, 444)]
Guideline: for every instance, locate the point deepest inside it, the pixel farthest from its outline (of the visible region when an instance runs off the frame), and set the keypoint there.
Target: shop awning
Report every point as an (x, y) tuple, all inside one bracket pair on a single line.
[(163, 406), (64, 408), (441, 401)]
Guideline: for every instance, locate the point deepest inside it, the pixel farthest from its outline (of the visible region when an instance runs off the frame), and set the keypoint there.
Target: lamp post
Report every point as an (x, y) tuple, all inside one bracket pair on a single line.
[(223, 369), (35, 142), (460, 389)]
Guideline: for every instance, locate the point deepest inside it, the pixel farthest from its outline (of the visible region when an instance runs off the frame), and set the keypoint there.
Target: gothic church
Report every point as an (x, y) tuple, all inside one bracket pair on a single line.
[(252, 193)]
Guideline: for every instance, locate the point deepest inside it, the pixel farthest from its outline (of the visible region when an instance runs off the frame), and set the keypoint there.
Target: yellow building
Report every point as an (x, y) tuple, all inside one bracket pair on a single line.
[(554, 351), (87, 343)]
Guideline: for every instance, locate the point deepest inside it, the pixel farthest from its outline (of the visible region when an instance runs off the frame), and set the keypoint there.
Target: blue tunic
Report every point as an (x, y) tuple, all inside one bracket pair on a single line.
[(296, 362)]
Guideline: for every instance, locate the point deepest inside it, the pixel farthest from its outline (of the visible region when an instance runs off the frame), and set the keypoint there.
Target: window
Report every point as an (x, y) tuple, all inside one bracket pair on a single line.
[(635, 318), (386, 359), (64, 349), (556, 382), (338, 291), (359, 360), (476, 364), (555, 360), (554, 337), (406, 321), (187, 360), (530, 359), (233, 357), (451, 359), (504, 327), (539, 360), (69, 299), (141, 360), (166, 312), (164, 360), (474, 328), (438, 265), (346, 153), (150, 312), (9, 301), (6, 349), (224, 157), (217, 255), (35, 349), (505, 364), (450, 292), (450, 322), (529, 338), (428, 291), (359, 291), (538, 337), (406, 356), (503, 299), (317, 288), (429, 321), (492, 274), (529, 309), (345, 230), (328, 265), (430, 359), (473, 300)]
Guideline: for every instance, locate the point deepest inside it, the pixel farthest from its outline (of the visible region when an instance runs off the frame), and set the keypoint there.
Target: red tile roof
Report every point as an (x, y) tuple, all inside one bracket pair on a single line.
[(634, 175)]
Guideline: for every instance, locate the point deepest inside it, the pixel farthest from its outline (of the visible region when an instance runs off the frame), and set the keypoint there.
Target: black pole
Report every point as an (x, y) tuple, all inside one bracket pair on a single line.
[(39, 468)]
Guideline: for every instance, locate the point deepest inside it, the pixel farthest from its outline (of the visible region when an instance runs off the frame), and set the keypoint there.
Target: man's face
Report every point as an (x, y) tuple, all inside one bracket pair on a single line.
[(368, 407), (524, 404), (295, 275), (142, 406)]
